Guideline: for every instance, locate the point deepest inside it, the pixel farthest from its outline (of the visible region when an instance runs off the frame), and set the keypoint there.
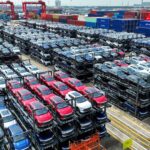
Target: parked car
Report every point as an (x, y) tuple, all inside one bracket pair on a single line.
[(62, 108), (45, 138), (33, 69), (20, 140), (44, 93), (141, 112), (102, 131), (47, 79), (66, 130), (85, 124), (60, 88), (7, 118), (75, 84), (25, 97), (2, 83), (31, 82), (79, 102), (96, 96), (40, 113), (61, 76), (13, 86)]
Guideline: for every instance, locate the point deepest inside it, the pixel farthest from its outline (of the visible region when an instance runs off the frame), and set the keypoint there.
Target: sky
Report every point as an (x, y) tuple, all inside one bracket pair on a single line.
[(89, 2)]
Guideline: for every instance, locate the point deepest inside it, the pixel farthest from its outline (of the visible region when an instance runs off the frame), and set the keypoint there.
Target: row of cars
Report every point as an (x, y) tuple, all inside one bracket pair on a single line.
[(79, 61), (8, 51), (141, 46), (53, 109), (12, 135), (127, 83), (16, 70)]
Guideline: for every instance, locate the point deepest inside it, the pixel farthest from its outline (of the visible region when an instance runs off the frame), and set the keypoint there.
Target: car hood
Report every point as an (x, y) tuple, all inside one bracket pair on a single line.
[(6, 125), (66, 111), (34, 86), (100, 100), (28, 101), (63, 93), (44, 118), (47, 97), (80, 88), (2, 86), (23, 144), (84, 105)]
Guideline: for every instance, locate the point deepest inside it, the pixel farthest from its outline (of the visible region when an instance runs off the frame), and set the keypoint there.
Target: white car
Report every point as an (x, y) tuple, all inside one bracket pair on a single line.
[(22, 71), (33, 69), (79, 101), (2, 82), (16, 50), (7, 118), (9, 74)]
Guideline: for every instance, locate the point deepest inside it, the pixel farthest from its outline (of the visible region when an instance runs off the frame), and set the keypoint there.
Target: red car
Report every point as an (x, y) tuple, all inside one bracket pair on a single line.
[(47, 79), (44, 93), (61, 76), (43, 117), (31, 82), (14, 86), (120, 63), (63, 109), (119, 52), (61, 88), (98, 97), (25, 97), (75, 84)]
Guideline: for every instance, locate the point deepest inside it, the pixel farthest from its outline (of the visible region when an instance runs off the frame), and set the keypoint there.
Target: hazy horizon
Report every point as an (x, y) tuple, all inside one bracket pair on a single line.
[(89, 2)]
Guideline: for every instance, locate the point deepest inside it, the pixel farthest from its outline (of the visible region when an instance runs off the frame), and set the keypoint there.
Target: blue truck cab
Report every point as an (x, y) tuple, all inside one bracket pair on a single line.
[(19, 140)]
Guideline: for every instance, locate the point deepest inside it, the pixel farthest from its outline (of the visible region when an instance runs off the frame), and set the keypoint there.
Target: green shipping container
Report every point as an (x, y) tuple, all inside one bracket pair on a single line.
[(91, 19)]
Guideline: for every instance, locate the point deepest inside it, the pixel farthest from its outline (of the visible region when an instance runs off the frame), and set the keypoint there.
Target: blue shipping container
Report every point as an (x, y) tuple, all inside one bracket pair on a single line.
[(91, 24), (144, 24)]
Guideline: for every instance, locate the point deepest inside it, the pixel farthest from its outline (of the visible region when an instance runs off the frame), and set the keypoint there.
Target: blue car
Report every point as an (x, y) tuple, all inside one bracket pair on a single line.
[(2, 104), (19, 140)]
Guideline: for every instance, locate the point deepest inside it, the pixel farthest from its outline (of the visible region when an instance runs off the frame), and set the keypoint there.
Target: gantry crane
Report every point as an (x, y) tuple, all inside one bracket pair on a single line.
[(40, 2), (12, 8)]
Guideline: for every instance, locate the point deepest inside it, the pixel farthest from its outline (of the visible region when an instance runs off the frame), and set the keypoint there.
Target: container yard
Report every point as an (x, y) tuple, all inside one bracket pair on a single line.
[(74, 76)]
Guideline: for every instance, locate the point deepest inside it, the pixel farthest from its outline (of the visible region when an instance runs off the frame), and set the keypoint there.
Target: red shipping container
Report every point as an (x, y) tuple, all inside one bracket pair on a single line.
[(74, 17), (69, 21), (80, 23), (109, 14), (55, 19)]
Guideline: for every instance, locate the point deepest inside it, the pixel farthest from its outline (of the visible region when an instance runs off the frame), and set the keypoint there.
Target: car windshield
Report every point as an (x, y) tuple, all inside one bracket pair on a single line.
[(8, 119), (80, 99), (97, 94), (2, 82), (34, 82), (46, 92), (27, 97), (35, 69), (16, 86), (78, 84), (19, 137), (62, 105), (49, 79), (63, 87), (41, 111), (64, 76)]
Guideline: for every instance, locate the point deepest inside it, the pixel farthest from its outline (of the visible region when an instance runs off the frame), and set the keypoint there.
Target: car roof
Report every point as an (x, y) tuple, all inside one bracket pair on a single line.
[(15, 129), (58, 83), (36, 105), (75, 94), (91, 89), (74, 80), (24, 91), (57, 99), (42, 87), (5, 113)]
